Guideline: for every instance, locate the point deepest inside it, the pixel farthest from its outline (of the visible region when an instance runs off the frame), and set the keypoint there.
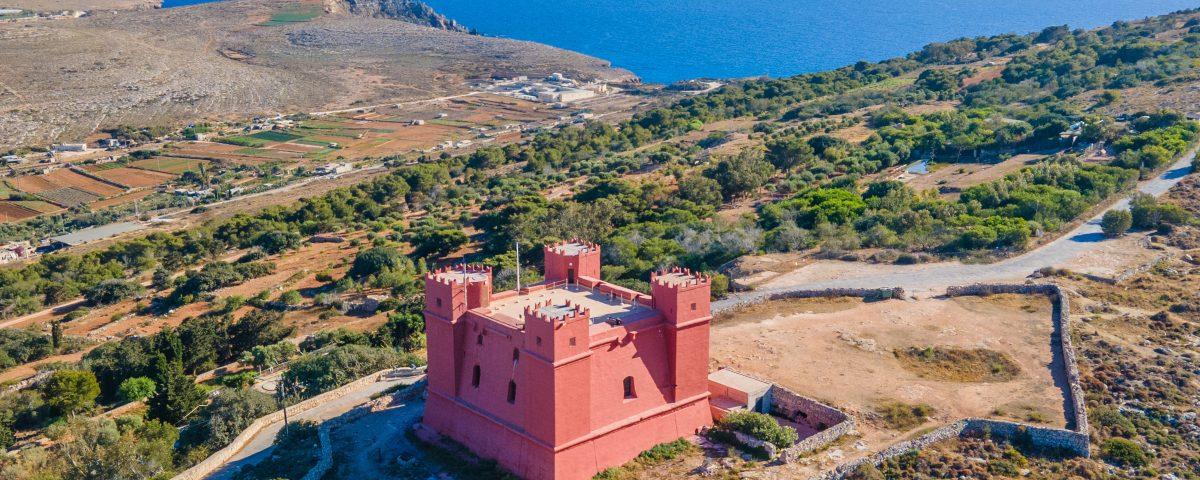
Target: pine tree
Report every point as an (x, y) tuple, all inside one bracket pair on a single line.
[(177, 395), (56, 335)]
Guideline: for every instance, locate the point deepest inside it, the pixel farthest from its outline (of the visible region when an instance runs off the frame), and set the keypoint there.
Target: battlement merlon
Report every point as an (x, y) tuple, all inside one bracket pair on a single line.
[(557, 331), (682, 296), (451, 291), (569, 260)]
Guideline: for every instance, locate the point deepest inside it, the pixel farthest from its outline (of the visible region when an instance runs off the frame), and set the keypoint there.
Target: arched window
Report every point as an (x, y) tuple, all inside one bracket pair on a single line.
[(512, 391), (475, 377), (628, 384)]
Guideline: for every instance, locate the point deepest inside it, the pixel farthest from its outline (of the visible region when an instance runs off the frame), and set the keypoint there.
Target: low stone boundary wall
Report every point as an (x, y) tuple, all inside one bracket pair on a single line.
[(209, 465), (789, 404), (1077, 417), (1041, 437), (1074, 440), (28, 382), (325, 460), (755, 297)]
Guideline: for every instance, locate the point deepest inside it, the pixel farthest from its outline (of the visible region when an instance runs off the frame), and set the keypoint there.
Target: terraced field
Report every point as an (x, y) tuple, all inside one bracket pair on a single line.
[(135, 177), (12, 212), (68, 197), (171, 165), (60, 179)]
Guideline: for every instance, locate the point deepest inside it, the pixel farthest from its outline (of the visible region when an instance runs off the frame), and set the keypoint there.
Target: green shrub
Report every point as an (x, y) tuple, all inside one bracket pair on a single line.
[(1124, 452), (136, 389), (760, 426), (1116, 222)]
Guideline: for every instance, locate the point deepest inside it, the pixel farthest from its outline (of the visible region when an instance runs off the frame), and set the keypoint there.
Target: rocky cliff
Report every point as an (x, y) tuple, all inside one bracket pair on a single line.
[(412, 11)]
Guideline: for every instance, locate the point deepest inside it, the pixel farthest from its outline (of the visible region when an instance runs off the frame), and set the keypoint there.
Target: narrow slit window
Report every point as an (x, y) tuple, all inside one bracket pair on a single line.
[(439, 302), (628, 385), (475, 377), (479, 339), (516, 356), (512, 391)]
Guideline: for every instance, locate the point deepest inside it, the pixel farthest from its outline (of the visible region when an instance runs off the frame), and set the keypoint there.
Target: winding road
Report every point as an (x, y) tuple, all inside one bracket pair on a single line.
[(935, 277)]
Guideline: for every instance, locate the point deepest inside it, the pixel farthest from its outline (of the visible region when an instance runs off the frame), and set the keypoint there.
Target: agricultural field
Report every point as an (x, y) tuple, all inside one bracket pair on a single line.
[(63, 178), (298, 13), (383, 131), (122, 199), (13, 212), (221, 152), (134, 177), (168, 164)]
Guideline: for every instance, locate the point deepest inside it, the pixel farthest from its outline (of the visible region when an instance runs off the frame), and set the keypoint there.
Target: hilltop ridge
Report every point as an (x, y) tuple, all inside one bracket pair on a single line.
[(65, 79), (413, 11)]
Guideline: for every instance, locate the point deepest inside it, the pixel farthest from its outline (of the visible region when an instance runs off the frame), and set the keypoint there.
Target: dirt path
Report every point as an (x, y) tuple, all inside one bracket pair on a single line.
[(259, 448), (365, 447), (934, 278)]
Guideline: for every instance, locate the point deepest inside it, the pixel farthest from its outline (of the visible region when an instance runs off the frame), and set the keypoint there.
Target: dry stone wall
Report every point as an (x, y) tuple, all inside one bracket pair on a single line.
[(740, 300), (1077, 417), (1074, 440), (831, 422)]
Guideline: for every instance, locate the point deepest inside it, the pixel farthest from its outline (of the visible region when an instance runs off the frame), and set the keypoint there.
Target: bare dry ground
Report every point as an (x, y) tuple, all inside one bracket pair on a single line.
[(61, 79), (81, 5), (841, 352)]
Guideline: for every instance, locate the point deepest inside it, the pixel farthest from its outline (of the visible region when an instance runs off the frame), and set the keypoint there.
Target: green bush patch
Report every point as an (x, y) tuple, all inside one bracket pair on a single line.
[(902, 416), (958, 365)]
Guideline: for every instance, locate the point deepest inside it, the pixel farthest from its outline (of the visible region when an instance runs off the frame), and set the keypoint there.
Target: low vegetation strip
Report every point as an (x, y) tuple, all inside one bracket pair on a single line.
[(958, 365)]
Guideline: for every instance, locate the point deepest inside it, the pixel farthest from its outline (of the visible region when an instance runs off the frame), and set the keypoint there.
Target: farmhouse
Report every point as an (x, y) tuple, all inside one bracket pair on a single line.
[(565, 378)]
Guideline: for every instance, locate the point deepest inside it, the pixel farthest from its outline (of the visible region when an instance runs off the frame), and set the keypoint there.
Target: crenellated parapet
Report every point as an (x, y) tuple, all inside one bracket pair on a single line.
[(680, 278), (568, 261), (451, 291)]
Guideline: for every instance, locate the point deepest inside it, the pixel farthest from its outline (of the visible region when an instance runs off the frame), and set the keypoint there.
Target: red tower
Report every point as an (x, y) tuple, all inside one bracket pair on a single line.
[(566, 378)]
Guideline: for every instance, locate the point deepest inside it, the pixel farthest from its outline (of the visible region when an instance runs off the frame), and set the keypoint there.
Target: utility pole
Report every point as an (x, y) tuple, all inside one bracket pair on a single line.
[(517, 244)]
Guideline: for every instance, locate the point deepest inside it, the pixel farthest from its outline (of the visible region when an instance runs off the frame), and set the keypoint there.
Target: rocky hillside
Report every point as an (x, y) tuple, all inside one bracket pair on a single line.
[(63, 79), (408, 10)]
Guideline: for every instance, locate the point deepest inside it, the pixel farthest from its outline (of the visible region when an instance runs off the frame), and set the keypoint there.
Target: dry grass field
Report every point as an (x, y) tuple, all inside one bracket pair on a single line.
[(855, 356), (135, 177)]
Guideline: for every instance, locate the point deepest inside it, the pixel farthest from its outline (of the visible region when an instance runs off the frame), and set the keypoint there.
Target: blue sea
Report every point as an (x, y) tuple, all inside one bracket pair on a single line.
[(669, 40)]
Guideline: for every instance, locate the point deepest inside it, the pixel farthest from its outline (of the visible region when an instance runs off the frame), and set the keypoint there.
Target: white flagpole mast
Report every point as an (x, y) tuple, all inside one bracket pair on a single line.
[(518, 246)]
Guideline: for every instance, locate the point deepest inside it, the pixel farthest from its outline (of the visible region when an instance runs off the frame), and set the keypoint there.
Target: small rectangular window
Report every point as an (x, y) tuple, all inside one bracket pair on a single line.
[(693, 305), (439, 302), (475, 377), (512, 392), (571, 341)]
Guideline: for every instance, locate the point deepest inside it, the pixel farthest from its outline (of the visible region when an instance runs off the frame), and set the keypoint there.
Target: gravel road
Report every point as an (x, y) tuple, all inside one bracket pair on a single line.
[(934, 278)]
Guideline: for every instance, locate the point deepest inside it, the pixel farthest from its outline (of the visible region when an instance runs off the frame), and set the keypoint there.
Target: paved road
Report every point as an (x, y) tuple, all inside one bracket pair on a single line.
[(259, 448), (934, 278)]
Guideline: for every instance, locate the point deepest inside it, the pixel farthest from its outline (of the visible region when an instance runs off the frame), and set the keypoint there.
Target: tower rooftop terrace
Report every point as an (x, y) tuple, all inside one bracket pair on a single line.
[(604, 307)]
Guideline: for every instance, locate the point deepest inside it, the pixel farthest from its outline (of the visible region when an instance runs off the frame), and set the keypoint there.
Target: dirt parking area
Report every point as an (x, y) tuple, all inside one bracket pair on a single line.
[(841, 351), (958, 176)]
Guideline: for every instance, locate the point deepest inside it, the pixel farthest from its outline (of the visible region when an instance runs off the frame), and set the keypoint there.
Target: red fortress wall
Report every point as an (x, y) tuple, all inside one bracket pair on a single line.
[(571, 376)]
